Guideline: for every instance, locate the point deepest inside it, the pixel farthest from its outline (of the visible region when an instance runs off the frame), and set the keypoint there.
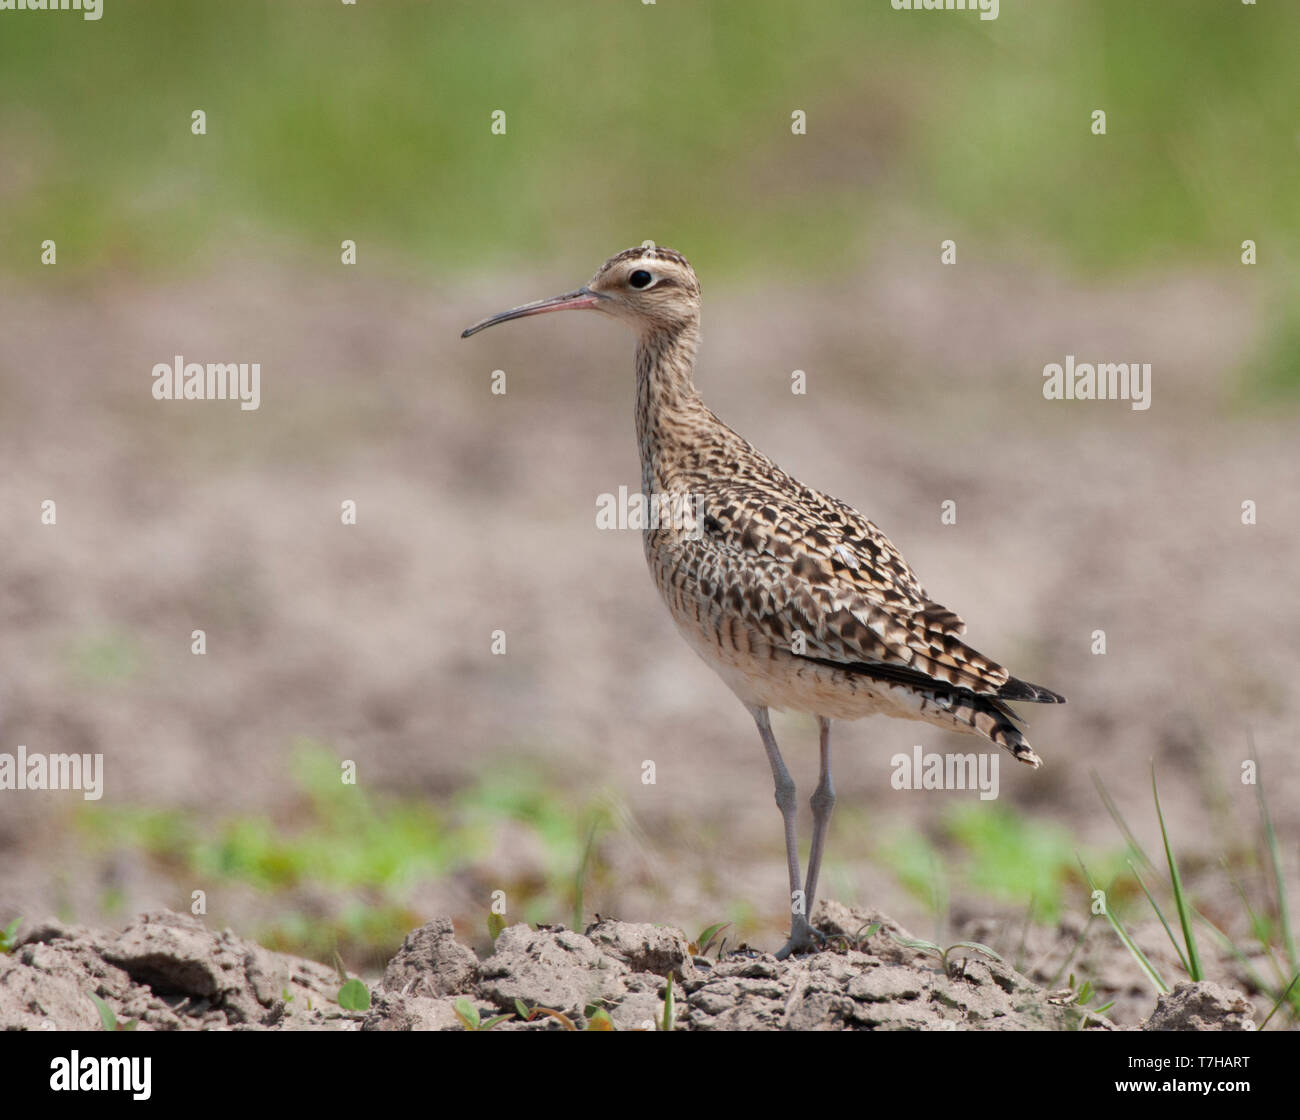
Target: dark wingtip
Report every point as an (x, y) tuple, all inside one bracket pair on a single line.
[(1029, 693)]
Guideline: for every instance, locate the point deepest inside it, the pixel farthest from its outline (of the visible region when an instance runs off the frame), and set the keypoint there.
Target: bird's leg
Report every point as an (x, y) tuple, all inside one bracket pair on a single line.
[(823, 801), (801, 933)]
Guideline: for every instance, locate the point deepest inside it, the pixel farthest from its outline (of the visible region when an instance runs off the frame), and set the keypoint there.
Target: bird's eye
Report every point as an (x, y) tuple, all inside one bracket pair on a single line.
[(640, 279)]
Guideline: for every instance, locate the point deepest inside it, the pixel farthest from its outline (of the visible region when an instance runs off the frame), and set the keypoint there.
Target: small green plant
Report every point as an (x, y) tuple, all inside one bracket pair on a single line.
[(701, 945), (468, 1014), (108, 1017), (1076, 998), (495, 924), (858, 940), (354, 996), (670, 1008), (1082, 996), (599, 1020), (9, 936), (946, 956)]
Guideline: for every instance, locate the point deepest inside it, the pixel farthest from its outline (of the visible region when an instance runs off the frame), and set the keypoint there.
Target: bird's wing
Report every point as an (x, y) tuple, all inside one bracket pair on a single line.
[(800, 562)]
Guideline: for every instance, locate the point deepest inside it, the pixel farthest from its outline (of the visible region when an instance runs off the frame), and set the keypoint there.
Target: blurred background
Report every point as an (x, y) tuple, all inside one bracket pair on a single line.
[(820, 252)]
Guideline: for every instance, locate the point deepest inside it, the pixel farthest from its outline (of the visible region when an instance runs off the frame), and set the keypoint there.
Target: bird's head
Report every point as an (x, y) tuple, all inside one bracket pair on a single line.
[(653, 289)]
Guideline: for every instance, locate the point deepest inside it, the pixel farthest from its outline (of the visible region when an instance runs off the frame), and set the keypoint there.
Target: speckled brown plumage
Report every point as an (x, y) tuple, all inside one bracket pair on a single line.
[(793, 597), (774, 560)]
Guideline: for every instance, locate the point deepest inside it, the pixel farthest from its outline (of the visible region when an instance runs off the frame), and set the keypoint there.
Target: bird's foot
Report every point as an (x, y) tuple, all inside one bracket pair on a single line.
[(803, 938)]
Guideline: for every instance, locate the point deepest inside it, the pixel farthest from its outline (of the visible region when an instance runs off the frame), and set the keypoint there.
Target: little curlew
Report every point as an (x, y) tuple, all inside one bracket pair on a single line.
[(795, 599)]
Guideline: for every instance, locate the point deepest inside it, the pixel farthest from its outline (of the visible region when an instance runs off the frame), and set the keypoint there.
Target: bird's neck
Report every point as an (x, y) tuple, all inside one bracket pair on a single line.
[(669, 410)]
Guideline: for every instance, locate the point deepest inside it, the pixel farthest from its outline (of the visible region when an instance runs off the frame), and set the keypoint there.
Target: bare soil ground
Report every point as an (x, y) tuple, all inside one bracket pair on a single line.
[(476, 512), (167, 971)]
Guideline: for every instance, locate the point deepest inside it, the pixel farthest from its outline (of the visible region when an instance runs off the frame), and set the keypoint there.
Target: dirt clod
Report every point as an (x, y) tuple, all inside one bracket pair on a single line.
[(644, 947), (1201, 1006), (166, 971), (431, 962), (553, 968)]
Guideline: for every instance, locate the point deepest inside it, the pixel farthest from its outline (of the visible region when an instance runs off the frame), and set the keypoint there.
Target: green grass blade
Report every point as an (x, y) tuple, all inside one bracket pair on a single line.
[(580, 878), (1257, 924), (1280, 999), (1145, 965), (1119, 820), (1055, 982), (917, 943), (1160, 914), (107, 1017), (975, 947), (1275, 858), (1229, 946), (1180, 897)]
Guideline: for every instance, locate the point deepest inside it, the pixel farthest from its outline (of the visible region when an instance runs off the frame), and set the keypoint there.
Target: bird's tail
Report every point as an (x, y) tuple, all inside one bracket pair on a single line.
[(996, 722)]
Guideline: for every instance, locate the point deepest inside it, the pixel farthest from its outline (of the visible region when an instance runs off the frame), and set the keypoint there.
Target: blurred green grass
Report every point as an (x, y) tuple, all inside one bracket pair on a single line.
[(367, 851), (364, 850), (628, 121), (994, 852)]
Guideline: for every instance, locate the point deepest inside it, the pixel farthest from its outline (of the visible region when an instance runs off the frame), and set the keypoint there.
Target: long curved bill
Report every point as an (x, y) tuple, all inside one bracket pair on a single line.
[(582, 299)]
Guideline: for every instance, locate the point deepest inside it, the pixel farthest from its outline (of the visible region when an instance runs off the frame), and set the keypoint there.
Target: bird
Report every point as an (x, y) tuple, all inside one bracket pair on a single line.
[(796, 600)]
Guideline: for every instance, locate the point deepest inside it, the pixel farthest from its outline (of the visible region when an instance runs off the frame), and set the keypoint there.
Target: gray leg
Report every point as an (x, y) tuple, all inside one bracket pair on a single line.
[(801, 933), (823, 801)]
